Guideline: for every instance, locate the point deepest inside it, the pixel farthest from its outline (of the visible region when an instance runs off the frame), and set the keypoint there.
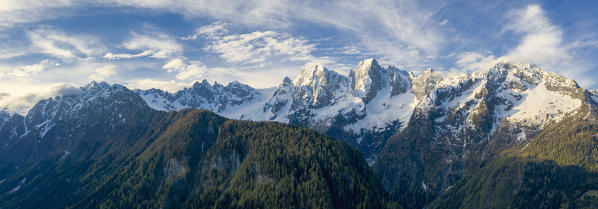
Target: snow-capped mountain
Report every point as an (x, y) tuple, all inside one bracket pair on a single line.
[(519, 94), (216, 98), (363, 108), (55, 125), (372, 102), (431, 129), (461, 120)]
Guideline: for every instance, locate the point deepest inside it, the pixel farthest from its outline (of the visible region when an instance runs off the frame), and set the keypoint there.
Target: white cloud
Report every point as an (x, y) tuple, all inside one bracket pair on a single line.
[(250, 12), (21, 103), (7, 51), (255, 48), (62, 45), (103, 72), (17, 11), (213, 30), (473, 61), (194, 70), (4, 95), (350, 50), (156, 45), (542, 43), (8, 72), (402, 31), (185, 70), (127, 56)]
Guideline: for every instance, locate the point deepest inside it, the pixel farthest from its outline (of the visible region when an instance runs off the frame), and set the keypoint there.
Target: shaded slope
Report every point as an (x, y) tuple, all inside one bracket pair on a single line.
[(461, 123), (196, 159), (557, 169)]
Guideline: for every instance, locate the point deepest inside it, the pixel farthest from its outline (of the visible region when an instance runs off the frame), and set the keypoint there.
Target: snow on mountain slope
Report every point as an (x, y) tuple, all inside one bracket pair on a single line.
[(520, 93), (250, 110), (540, 104), (317, 86), (533, 97), (594, 95), (4, 117), (364, 108), (200, 96), (363, 100), (369, 101), (100, 96), (384, 109), (51, 123), (373, 101), (235, 100)]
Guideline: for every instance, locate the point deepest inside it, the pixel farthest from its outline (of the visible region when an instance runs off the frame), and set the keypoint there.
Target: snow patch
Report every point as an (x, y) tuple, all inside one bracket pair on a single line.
[(250, 110), (521, 136), (15, 189), (66, 153), (539, 105), (18, 187), (385, 109), (45, 127), (466, 96)]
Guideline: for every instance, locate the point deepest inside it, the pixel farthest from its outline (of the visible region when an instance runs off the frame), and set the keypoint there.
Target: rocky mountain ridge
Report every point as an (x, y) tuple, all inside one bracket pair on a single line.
[(364, 108), (420, 133), (372, 102)]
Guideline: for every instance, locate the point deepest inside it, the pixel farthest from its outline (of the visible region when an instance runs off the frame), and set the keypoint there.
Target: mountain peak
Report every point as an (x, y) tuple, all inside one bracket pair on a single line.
[(204, 82), (235, 83), (368, 63), (97, 85), (523, 75), (367, 78), (286, 80), (312, 73), (101, 89), (364, 66)]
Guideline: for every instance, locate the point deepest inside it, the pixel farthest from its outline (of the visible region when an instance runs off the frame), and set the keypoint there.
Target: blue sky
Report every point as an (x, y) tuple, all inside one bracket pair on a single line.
[(49, 47)]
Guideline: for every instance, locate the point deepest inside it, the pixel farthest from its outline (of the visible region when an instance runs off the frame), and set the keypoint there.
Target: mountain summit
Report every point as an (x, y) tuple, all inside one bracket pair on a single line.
[(420, 133), (373, 102)]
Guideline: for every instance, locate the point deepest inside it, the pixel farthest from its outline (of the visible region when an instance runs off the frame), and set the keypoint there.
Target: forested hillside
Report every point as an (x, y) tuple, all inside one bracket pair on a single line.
[(557, 169), (197, 159)]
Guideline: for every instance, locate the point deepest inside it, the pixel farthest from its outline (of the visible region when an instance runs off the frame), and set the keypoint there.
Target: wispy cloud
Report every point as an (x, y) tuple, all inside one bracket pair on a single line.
[(254, 48), (62, 45), (400, 31), (27, 70), (157, 45), (214, 30), (541, 43), (258, 42), (4, 95), (474, 61), (22, 103), (104, 72), (185, 70), (17, 12)]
